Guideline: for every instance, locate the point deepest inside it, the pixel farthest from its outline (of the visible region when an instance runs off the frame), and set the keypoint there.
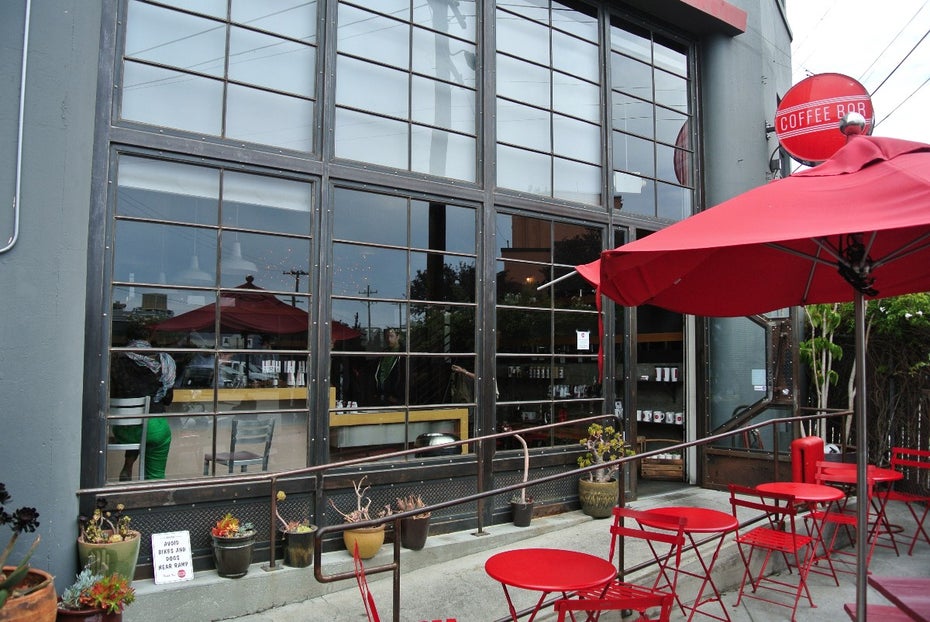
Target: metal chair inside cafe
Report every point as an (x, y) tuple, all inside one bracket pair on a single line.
[(368, 599), (253, 433), (665, 538), (913, 490), (776, 533), (129, 411)]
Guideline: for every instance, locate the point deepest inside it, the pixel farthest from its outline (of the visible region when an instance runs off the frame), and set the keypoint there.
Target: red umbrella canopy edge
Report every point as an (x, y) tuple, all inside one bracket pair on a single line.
[(800, 240)]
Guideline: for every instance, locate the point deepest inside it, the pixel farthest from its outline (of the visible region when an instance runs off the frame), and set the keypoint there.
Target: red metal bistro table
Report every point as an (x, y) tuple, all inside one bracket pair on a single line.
[(701, 521), (547, 571), (813, 495)]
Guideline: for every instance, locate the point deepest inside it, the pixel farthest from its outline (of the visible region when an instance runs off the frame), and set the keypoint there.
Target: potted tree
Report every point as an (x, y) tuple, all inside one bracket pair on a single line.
[(369, 539), (413, 529), (298, 537), (598, 489), (232, 546), (520, 504), (95, 597), (26, 594), (107, 538)]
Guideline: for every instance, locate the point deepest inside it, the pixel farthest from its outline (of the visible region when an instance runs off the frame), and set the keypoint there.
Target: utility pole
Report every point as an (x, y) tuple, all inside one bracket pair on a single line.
[(368, 292), (296, 273)]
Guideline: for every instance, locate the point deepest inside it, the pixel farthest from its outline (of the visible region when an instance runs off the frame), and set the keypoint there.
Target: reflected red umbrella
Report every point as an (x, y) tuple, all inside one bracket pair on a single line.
[(855, 227), (250, 309)]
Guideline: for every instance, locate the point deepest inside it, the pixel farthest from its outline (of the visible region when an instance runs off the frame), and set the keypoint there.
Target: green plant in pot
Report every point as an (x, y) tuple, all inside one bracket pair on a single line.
[(95, 597), (598, 489), (369, 539), (298, 536), (413, 529), (521, 505), (233, 542), (26, 594), (106, 537)]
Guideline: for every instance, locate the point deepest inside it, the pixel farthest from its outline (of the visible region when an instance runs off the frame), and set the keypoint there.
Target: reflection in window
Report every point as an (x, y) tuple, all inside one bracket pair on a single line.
[(547, 339), (651, 124), (404, 291), (548, 108), (210, 268), (424, 118), (247, 74)]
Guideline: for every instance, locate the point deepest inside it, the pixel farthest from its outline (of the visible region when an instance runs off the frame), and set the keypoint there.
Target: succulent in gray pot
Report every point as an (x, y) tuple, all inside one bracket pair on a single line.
[(232, 546), (95, 597)]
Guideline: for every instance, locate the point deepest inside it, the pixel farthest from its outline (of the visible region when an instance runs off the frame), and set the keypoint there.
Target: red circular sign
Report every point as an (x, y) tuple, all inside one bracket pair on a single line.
[(807, 122)]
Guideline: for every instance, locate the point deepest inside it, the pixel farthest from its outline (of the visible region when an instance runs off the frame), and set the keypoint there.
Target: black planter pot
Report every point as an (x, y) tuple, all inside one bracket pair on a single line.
[(298, 548), (413, 532), (233, 556), (522, 513)]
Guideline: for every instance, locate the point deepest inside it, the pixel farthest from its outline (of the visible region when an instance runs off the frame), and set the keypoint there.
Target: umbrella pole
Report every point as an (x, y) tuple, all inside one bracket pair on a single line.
[(862, 501)]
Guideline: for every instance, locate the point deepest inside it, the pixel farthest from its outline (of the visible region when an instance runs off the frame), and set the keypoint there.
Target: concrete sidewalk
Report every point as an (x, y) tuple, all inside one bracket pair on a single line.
[(447, 578)]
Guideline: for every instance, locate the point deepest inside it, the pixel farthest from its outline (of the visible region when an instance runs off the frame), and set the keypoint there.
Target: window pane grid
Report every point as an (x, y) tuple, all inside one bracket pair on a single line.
[(178, 65)]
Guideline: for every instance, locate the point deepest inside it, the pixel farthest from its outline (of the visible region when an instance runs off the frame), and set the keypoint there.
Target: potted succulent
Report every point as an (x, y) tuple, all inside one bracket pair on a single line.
[(26, 594), (520, 504), (95, 597), (298, 537), (598, 489), (107, 538), (413, 529), (369, 539), (232, 546)]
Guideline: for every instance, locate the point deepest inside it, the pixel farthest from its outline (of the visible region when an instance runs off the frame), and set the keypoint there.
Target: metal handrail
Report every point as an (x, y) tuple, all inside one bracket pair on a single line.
[(319, 472)]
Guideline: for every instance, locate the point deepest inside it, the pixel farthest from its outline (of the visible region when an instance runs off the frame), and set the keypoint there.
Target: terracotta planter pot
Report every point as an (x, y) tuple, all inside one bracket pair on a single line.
[(233, 556), (38, 606), (413, 532), (88, 615), (369, 540), (598, 499), (110, 557), (298, 547)]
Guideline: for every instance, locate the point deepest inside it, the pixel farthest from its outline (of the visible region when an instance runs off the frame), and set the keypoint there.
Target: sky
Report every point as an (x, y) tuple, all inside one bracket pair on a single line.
[(884, 44)]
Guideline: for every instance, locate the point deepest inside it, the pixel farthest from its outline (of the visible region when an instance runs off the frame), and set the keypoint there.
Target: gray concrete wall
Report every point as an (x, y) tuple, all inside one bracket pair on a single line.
[(743, 77), (43, 277)]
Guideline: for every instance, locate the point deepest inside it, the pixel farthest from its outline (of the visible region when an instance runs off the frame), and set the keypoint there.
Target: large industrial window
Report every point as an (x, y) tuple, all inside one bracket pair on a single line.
[(241, 70), (652, 124), (406, 86), (547, 339), (209, 316), (403, 335), (548, 100)]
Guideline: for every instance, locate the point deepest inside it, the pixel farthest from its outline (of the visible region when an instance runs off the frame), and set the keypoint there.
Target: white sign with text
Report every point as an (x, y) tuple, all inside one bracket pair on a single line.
[(171, 557)]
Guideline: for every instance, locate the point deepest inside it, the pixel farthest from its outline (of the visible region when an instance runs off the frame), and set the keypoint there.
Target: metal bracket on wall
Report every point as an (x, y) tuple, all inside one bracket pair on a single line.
[(19, 134)]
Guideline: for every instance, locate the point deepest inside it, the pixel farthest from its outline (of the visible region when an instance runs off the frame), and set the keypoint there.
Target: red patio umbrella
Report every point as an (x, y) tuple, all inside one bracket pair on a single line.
[(855, 227)]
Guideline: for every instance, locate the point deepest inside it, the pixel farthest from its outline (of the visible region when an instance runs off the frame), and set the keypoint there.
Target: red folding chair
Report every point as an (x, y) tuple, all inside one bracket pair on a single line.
[(665, 541), (845, 518), (776, 534), (913, 489), (368, 598), (637, 603)]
